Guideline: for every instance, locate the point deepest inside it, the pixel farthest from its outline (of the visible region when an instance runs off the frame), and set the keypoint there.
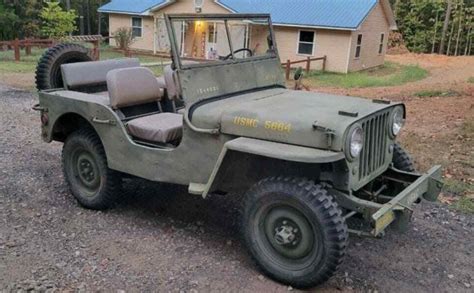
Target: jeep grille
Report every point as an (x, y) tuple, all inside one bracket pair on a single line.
[(373, 154)]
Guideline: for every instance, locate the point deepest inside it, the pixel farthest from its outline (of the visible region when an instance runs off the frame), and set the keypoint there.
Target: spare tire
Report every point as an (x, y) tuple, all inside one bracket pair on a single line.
[(48, 70)]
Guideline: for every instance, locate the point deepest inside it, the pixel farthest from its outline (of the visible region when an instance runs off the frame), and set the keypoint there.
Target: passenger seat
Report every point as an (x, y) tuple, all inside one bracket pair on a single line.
[(134, 86)]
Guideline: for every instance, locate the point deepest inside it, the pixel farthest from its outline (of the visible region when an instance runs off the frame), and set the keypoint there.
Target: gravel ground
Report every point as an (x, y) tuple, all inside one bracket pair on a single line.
[(161, 238)]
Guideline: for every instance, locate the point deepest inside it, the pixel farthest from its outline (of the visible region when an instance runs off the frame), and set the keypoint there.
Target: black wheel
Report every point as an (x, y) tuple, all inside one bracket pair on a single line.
[(294, 230), (85, 169), (402, 160), (48, 70)]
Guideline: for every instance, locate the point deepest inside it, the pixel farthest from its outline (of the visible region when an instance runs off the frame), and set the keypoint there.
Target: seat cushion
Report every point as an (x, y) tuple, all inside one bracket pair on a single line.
[(132, 86), (163, 127)]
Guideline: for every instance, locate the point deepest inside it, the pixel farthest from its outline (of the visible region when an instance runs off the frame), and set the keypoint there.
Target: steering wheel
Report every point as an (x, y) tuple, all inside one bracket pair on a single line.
[(237, 51)]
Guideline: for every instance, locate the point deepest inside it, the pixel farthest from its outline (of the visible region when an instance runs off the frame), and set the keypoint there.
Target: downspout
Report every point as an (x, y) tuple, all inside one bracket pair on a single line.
[(154, 34), (349, 54)]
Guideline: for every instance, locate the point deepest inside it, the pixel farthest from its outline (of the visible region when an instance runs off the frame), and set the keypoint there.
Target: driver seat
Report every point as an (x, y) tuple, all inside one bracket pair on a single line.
[(138, 86)]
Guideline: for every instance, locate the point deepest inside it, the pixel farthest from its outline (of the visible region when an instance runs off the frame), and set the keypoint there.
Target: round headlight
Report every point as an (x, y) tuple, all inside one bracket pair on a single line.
[(356, 141), (397, 121)]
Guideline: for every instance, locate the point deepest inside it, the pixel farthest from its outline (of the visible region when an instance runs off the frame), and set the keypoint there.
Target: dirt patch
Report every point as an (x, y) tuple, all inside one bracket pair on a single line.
[(18, 80), (445, 73), (161, 238)]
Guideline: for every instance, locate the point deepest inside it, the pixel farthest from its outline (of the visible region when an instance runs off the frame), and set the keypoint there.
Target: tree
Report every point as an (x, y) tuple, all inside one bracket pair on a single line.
[(57, 23), (445, 26), (8, 22)]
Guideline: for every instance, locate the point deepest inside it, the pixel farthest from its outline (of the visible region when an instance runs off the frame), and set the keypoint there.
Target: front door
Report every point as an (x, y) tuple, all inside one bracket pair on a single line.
[(211, 40)]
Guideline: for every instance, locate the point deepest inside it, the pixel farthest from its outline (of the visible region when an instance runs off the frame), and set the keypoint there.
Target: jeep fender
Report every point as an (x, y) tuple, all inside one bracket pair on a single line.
[(274, 150)]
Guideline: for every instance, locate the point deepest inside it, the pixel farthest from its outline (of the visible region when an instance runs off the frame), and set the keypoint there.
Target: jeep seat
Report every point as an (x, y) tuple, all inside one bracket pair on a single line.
[(135, 86), (91, 76)]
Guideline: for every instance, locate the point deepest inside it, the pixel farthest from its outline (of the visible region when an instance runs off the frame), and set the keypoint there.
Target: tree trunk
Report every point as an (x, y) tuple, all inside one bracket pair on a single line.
[(468, 38), (99, 20), (435, 32), (448, 51), (445, 26), (88, 17), (460, 29)]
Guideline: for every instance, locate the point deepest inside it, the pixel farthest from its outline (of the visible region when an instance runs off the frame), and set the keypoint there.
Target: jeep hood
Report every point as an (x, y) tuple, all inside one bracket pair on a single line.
[(282, 115)]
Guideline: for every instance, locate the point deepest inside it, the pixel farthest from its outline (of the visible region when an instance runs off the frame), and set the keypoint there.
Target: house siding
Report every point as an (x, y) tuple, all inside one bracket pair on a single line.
[(338, 46), (375, 24), (145, 42), (334, 44), (187, 6)]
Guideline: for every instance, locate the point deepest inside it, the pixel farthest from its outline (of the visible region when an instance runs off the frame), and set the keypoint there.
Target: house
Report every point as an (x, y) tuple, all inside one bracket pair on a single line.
[(353, 34)]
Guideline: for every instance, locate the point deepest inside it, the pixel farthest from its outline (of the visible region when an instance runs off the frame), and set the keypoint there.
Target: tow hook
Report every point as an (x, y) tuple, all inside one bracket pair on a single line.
[(44, 114), (37, 107)]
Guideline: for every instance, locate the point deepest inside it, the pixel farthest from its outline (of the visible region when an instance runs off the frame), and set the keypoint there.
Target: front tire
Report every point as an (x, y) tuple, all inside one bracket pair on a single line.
[(294, 230), (402, 160), (85, 169)]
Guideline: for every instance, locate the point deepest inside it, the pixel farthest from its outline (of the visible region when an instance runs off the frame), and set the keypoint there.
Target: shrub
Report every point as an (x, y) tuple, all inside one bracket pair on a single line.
[(123, 38)]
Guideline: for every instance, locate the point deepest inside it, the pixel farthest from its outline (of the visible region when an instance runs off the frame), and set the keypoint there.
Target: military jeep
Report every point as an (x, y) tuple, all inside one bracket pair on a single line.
[(221, 121)]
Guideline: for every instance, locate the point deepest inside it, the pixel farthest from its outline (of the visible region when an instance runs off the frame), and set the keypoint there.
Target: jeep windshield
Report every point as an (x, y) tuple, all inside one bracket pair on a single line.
[(219, 39)]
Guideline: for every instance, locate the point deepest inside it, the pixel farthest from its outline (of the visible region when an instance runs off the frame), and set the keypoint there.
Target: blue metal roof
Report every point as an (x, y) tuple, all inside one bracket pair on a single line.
[(130, 6), (344, 14), (347, 14)]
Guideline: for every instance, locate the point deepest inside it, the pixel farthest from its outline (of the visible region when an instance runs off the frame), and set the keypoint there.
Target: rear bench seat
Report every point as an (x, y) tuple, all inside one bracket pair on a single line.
[(90, 77)]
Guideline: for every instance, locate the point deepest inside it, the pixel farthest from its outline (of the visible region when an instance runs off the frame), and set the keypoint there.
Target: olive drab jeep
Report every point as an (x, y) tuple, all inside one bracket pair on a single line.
[(221, 120)]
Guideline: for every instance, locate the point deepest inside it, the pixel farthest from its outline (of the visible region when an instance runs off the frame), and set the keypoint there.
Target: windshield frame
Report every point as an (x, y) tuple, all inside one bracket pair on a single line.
[(170, 18)]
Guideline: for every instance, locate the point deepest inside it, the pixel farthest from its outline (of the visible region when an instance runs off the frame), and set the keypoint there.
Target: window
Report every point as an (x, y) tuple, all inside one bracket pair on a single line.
[(359, 46), (382, 38), (306, 43), (137, 27)]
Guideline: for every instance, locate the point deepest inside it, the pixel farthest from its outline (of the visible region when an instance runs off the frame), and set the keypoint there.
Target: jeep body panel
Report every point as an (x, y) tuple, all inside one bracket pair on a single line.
[(287, 116), (273, 150), (192, 161)]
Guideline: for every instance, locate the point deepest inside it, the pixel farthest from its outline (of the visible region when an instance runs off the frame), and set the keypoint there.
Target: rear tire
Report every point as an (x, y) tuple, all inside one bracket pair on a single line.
[(85, 169), (48, 70), (294, 230), (402, 160)]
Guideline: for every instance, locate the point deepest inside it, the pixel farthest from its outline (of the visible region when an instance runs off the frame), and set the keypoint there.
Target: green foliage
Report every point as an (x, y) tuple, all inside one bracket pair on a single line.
[(123, 37), (8, 23), (471, 79), (421, 24), (390, 74), (465, 204), (57, 23)]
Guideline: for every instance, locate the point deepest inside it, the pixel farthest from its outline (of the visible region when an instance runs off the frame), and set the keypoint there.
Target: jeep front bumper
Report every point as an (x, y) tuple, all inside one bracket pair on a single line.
[(382, 210), (427, 186)]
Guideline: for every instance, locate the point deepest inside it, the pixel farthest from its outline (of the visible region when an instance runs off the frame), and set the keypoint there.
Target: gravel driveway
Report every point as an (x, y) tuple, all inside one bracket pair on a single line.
[(161, 238)]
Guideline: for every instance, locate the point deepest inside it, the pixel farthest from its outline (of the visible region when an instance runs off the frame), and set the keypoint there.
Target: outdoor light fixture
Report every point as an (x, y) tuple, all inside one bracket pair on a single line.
[(198, 5)]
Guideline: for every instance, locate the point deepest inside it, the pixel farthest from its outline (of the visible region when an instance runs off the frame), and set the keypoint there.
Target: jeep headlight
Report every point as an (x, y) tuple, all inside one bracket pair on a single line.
[(397, 121), (355, 141)]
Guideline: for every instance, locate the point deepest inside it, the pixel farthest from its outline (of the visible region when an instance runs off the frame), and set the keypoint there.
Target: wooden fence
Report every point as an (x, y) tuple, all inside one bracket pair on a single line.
[(27, 44), (308, 61)]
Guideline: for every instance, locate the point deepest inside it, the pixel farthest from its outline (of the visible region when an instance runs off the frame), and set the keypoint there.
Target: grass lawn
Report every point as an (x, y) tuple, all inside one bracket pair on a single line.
[(436, 93), (28, 63), (390, 74)]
